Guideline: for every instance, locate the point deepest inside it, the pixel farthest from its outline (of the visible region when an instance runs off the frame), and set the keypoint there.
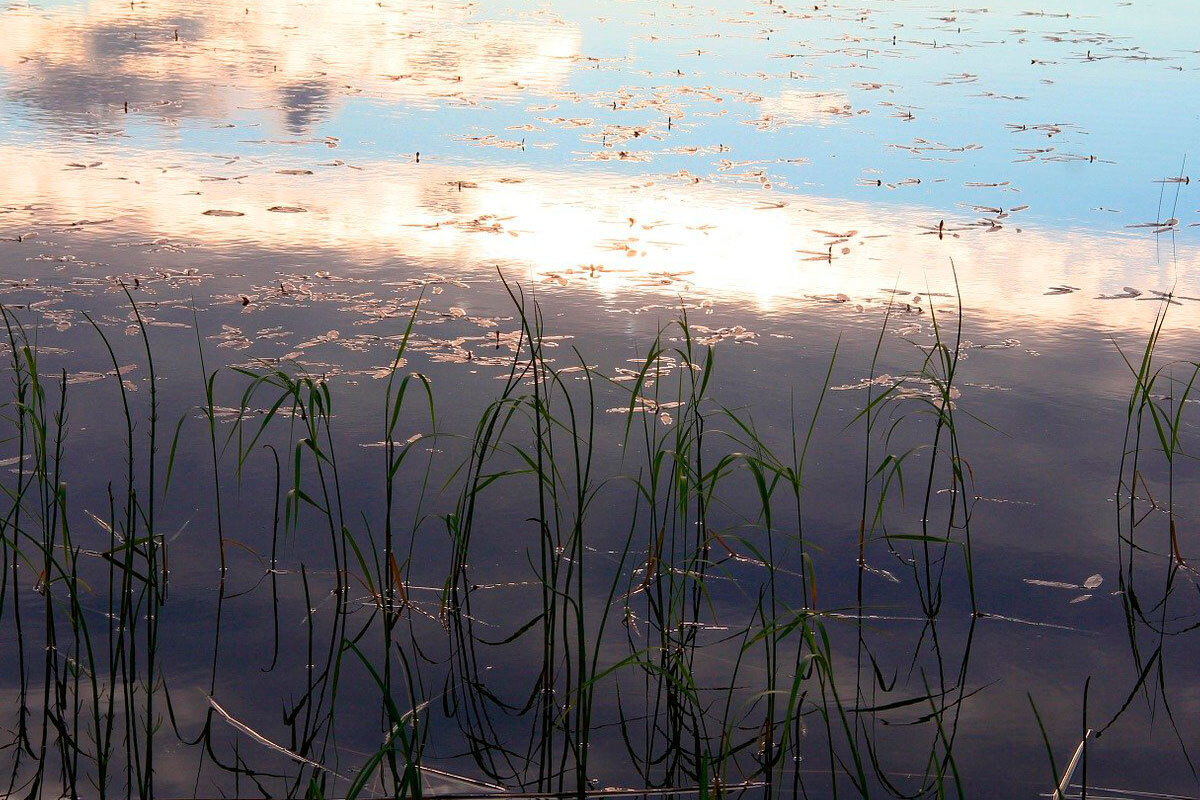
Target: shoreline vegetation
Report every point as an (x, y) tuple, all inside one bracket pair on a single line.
[(668, 639)]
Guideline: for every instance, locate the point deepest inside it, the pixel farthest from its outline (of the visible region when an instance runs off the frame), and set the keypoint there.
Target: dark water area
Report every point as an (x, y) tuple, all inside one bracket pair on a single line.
[(794, 400)]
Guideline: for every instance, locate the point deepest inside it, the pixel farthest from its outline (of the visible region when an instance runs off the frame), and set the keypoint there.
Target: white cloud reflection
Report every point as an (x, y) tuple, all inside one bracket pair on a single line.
[(287, 55), (598, 232)]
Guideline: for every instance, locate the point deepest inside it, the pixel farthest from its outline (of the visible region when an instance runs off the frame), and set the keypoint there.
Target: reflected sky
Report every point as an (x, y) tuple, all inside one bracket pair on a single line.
[(593, 232), (300, 170), (903, 103), (793, 154)]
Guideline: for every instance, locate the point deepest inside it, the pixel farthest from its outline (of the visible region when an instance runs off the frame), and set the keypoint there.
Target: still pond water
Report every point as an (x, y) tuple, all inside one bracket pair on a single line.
[(818, 188)]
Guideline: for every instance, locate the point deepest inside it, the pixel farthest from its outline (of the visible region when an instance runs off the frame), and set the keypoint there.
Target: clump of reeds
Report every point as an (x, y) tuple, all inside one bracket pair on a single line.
[(673, 639)]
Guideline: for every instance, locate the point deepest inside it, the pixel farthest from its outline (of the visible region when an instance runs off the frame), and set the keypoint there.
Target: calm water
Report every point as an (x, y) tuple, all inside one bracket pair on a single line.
[(282, 180)]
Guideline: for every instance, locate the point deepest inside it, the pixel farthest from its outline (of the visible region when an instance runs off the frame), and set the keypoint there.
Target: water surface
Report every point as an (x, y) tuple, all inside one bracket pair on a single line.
[(287, 184)]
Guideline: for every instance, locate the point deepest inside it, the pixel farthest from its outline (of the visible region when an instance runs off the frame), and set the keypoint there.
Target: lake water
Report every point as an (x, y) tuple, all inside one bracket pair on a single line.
[(819, 189)]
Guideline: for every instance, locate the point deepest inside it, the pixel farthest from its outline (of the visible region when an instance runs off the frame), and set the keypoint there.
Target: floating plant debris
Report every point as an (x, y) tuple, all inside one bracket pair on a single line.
[(645, 399)]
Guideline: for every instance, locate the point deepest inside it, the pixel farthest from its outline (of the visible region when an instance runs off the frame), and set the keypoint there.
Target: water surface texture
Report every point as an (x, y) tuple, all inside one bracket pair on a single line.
[(586, 398)]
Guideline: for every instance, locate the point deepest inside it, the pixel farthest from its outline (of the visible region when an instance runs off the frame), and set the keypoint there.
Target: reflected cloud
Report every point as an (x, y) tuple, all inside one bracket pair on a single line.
[(179, 59), (601, 232), (795, 107)]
